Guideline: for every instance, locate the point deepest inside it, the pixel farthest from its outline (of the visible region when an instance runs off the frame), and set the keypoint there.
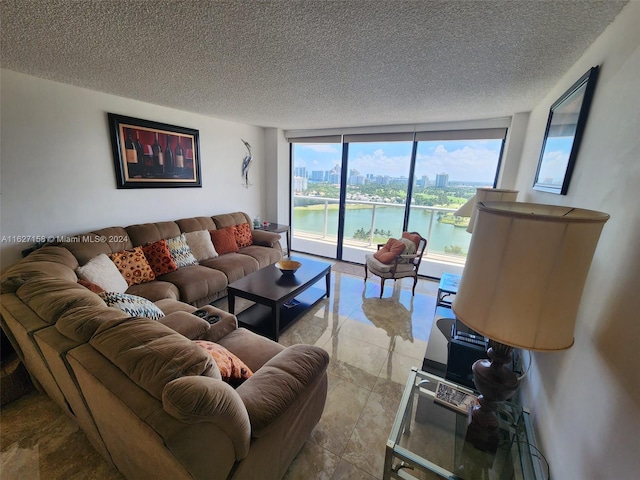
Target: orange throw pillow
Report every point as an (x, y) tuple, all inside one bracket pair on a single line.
[(91, 286), (244, 238), (224, 239), (133, 266), (232, 369), (389, 251)]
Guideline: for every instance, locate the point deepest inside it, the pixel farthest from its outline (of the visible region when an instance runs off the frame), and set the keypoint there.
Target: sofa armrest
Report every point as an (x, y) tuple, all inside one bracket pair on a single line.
[(276, 386), (186, 324), (196, 399), (264, 238), (223, 327)]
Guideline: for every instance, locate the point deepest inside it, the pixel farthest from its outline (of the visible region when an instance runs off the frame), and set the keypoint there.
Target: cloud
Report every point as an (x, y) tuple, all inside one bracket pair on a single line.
[(554, 166), (321, 147), (477, 163)]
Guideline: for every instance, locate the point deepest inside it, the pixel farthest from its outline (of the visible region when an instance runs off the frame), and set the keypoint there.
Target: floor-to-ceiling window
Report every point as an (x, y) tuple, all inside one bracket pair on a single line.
[(447, 173), (352, 192), (377, 180), (316, 166)]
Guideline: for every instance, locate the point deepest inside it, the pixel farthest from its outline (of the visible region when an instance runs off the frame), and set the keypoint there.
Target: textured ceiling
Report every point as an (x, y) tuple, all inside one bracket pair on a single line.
[(309, 63)]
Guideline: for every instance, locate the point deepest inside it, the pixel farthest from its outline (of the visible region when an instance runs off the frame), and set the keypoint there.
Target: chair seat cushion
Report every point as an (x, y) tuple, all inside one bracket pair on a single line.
[(381, 269)]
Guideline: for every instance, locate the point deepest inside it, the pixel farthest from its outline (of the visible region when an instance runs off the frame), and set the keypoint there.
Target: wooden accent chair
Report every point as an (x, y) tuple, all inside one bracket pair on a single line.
[(403, 265)]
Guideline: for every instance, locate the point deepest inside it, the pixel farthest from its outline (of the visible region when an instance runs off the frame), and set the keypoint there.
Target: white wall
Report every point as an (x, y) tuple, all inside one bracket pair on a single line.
[(58, 173), (586, 400), (278, 176)]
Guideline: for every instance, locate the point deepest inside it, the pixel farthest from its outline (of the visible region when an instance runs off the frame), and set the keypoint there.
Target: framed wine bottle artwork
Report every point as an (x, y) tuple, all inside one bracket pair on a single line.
[(149, 154)]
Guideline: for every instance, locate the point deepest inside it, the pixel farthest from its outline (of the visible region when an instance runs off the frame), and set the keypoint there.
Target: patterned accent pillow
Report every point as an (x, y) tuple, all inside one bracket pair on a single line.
[(133, 266), (159, 257), (244, 238), (181, 252), (224, 239), (103, 272), (232, 369), (201, 245), (133, 305)]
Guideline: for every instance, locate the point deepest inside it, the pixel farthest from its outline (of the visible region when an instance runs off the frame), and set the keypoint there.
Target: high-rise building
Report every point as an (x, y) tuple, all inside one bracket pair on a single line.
[(317, 176), (355, 178), (300, 172), (424, 181), (442, 180), (299, 184), (334, 178)]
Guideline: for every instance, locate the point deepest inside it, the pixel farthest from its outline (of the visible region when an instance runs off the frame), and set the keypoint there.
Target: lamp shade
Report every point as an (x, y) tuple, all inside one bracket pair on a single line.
[(490, 195), (466, 209), (525, 272)]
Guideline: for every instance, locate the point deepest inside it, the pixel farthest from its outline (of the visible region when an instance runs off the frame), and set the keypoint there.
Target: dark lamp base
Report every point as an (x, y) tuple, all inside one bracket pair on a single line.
[(496, 383), (483, 438)]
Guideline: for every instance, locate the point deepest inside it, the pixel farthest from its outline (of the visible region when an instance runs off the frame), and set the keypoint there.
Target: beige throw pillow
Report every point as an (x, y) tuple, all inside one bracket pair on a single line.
[(409, 249), (201, 245), (104, 273)]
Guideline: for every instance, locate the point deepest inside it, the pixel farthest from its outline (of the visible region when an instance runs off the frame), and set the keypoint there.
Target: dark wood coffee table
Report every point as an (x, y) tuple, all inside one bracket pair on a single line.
[(280, 299)]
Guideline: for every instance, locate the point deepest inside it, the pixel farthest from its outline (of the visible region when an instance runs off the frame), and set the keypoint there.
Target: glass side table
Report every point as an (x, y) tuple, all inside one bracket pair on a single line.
[(427, 440)]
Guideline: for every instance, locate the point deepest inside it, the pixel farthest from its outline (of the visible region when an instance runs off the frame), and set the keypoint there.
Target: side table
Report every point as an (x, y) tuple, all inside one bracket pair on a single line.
[(447, 289), (428, 438), (280, 228)]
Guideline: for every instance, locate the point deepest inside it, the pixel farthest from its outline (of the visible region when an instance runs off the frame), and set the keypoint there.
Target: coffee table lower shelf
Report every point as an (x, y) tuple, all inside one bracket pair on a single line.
[(259, 318)]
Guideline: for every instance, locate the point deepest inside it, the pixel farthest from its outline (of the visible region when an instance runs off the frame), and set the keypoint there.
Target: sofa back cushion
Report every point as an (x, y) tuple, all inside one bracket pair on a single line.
[(49, 298), (229, 219), (151, 354), (53, 254), (80, 323), (146, 233), (46, 262), (106, 240), (194, 224)]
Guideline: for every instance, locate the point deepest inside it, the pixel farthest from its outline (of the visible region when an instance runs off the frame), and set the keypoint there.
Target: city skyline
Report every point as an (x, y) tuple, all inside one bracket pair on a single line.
[(463, 161)]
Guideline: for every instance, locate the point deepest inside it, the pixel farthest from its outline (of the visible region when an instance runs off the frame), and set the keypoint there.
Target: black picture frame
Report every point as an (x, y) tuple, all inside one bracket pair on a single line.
[(140, 154), (563, 135)]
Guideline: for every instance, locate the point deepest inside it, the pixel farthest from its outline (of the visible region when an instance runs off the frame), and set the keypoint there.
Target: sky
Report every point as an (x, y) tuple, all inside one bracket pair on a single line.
[(555, 160), (472, 160)]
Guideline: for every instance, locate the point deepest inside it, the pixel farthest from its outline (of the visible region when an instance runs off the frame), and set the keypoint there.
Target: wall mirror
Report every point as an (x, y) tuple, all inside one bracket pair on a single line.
[(565, 127)]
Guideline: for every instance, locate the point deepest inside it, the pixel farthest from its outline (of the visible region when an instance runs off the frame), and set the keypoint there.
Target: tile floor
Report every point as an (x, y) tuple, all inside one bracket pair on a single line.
[(373, 343)]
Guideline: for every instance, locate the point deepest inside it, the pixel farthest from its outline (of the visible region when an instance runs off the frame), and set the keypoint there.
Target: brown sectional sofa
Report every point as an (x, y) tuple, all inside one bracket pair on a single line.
[(149, 399), (194, 284)]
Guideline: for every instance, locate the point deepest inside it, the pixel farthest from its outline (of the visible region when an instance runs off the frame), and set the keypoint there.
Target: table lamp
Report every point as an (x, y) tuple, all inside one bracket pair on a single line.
[(521, 287), (490, 195)]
